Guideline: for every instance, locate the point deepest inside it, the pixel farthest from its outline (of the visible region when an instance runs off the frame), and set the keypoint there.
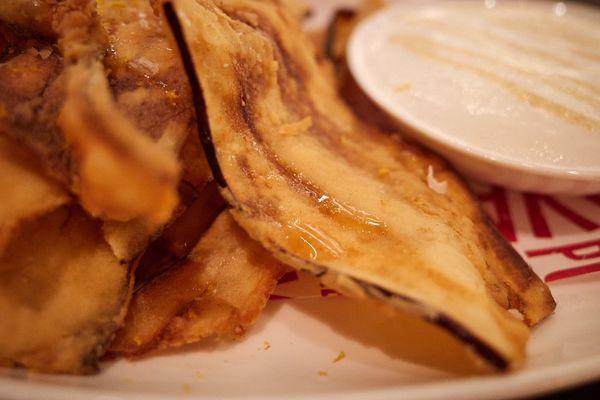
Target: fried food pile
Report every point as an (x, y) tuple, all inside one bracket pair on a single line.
[(105, 187), (164, 162)]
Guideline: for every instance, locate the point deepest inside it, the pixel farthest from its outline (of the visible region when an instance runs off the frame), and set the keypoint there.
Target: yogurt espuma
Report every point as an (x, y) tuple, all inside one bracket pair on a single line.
[(514, 82)]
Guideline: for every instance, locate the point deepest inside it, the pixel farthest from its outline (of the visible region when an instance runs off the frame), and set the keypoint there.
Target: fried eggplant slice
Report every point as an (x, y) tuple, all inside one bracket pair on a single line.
[(122, 173), (146, 76), (179, 238), (33, 83), (31, 95), (328, 194), (150, 88), (62, 294), (199, 205), (124, 170), (219, 291), (33, 16), (25, 193)]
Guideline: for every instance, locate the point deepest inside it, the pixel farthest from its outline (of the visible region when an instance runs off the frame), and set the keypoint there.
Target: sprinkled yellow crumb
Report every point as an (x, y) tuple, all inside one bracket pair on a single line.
[(296, 128), (186, 389), (273, 116), (383, 171), (137, 340), (323, 373), (344, 139), (403, 87), (238, 330), (274, 66), (45, 52), (266, 345), (340, 357), (199, 375), (172, 95)]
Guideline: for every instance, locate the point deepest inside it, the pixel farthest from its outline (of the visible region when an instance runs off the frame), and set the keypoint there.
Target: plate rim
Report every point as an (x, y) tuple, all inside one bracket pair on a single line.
[(487, 387)]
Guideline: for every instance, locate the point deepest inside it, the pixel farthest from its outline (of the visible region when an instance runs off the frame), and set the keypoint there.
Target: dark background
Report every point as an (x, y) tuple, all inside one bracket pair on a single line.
[(591, 391)]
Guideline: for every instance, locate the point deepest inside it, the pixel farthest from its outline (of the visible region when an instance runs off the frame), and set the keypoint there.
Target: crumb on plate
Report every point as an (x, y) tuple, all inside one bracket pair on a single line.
[(340, 357)]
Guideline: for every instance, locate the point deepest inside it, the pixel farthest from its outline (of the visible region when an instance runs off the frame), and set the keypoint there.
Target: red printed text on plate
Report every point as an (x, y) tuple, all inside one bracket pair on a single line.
[(583, 252)]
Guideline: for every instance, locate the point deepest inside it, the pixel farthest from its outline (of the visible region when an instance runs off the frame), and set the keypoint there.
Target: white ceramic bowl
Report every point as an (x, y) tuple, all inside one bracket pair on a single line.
[(509, 91)]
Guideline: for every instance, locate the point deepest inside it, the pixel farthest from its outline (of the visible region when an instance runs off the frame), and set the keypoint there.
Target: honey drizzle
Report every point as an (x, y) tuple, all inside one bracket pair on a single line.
[(345, 213), (541, 54), (559, 29), (554, 83), (481, 37), (420, 46), (312, 242)]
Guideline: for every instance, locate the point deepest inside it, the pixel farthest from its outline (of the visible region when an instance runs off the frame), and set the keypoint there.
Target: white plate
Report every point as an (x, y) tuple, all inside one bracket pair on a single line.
[(307, 332), (509, 91)]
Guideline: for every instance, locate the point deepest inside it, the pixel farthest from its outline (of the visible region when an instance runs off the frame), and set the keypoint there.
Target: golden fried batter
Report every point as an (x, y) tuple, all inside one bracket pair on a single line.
[(220, 290)]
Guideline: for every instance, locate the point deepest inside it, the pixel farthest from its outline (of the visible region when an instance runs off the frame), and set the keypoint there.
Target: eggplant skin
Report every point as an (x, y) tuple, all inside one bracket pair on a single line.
[(327, 193), (63, 294)]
